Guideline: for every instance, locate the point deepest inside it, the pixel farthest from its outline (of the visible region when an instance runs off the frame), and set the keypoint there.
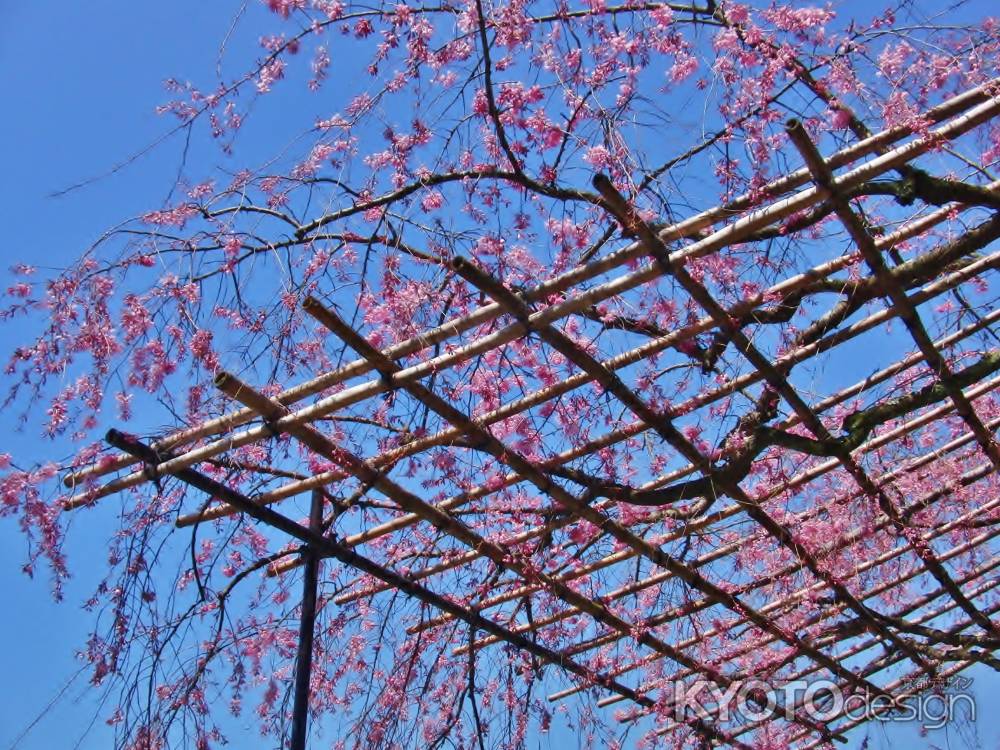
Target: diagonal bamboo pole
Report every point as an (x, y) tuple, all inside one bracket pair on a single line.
[(824, 178), (333, 549), (316, 441), (727, 235), (663, 426), (574, 505), (685, 229)]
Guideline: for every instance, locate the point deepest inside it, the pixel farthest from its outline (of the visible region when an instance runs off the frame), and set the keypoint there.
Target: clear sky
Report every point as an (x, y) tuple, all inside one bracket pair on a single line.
[(78, 82)]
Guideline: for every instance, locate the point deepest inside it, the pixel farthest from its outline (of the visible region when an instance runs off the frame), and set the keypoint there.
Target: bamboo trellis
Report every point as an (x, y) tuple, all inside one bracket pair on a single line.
[(955, 601)]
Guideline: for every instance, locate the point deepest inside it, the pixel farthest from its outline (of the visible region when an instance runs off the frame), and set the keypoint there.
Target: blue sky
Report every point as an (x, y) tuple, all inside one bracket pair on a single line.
[(79, 82)]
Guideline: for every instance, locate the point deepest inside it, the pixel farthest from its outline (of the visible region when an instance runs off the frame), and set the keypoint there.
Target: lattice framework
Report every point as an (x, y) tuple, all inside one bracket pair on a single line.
[(814, 572)]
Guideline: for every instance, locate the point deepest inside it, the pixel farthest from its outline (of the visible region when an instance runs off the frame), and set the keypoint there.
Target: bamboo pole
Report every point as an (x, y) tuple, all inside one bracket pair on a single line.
[(806, 591), (685, 229), (330, 548), (664, 427), (824, 178), (728, 234), (856, 535)]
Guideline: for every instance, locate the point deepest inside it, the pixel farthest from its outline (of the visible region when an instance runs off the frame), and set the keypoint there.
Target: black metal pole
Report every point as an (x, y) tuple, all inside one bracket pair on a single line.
[(303, 660), (348, 556), (322, 545)]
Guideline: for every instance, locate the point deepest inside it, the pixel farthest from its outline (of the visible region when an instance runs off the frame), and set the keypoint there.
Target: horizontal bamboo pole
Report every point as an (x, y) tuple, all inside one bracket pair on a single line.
[(856, 535), (813, 588), (684, 229), (330, 548), (729, 234), (735, 509), (309, 436)]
